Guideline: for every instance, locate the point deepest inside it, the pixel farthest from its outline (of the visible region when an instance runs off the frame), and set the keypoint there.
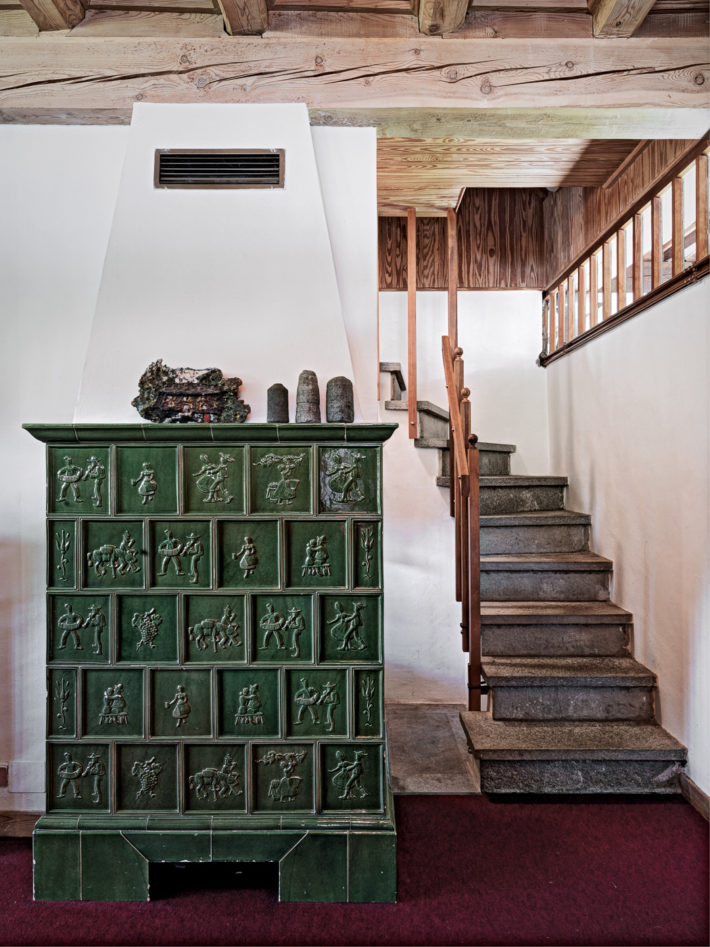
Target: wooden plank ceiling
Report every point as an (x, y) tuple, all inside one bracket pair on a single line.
[(440, 79)]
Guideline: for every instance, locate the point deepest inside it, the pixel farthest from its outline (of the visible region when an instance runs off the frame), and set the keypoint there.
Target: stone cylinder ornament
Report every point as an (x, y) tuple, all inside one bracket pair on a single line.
[(277, 404), (307, 398), (339, 400)]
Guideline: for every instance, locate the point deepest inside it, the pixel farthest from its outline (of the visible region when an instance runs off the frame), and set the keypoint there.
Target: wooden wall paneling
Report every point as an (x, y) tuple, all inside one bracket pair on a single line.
[(677, 232), (432, 252), (637, 266), (392, 253), (412, 321), (656, 248), (701, 206)]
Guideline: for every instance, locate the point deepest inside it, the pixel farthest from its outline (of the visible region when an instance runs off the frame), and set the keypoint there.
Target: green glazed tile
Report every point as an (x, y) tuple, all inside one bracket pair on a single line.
[(215, 628), (146, 480), (79, 628), (112, 869), (315, 554), (173, 846), (113, 703), (147, 628), (282, 777), (368, 703), (349, 479), (62, 554), (79, 480), (351, 776), (215, 778), (316, 869), (367, 555), (114, 555), (282, 628), (181, 554), (57, 866), (249, 554), (317, 702), (373, 867), (79, 777), (252, 845), (350, 628), (61, 717), (248, 702), (181, 703), (280, 480), (213, 480), (146, 777)]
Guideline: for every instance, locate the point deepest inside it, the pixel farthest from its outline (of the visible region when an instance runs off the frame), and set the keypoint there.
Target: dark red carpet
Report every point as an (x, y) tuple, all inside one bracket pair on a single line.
[(471, 871)]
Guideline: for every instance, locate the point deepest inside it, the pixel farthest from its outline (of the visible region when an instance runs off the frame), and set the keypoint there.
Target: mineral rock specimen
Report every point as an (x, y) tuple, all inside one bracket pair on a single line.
[(339, 400), (307, 398), (175, 395)]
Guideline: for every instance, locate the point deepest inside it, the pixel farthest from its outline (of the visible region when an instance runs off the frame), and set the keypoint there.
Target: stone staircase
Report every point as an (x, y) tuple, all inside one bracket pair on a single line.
[(570, 710)]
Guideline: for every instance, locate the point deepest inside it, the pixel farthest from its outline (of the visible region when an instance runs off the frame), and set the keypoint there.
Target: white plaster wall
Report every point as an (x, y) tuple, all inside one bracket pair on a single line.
[(241, 279), (500, 335), (630, 426), (58, 188)]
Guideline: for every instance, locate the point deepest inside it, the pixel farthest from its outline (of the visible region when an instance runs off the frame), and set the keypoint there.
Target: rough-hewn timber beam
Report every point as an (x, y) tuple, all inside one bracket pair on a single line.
[(618, 18), (441, 16), (55, 14), (244, 17), (108, 73)]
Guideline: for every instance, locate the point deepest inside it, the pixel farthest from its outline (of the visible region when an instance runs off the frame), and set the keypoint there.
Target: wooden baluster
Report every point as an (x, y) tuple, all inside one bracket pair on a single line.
[(637, 266), (560, 315), (620, 269), (466, 563), (474, 605), (656, 250), (553, 321), (453, 277), (593, 301), (455, 472), (570, 307), (606, 280), (581, 297), (412, 320), (678, 249), (701, 207)]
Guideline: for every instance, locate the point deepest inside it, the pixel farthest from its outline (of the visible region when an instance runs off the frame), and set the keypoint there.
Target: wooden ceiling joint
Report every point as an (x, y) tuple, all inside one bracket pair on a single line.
[(244, 17), (618, 18), (54, 14), (441, 16)]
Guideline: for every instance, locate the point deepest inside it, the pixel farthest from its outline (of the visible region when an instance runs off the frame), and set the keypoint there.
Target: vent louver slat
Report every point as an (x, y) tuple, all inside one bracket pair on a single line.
[(211, 168)]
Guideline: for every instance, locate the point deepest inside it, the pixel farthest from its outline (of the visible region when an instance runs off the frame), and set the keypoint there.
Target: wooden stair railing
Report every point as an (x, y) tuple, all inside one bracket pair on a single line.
[(465, 503)]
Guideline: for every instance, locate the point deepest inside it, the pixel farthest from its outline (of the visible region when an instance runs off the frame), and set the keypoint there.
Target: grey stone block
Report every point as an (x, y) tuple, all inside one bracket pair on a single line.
[(555, 577), (521, 494), (549, 639), (579, 776), (554, 702), (546, 531)]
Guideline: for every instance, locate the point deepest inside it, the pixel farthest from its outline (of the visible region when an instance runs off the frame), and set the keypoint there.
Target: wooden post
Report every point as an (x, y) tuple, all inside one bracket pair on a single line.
[(606, 280), (474, 554), (453, 283), (581, 297), (701, 207), (677, 238), (467, 564), (637, 266), (570, 307), (560, 315), (656, 250), (552, 344), (412, 320), (620, 269), (593, 301)]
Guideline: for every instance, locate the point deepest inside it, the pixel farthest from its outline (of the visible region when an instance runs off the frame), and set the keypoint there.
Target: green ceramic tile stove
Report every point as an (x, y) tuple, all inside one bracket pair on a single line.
[(215, 658)]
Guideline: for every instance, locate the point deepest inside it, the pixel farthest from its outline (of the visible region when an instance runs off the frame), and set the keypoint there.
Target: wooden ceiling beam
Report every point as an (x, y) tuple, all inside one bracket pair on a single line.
[(55, 14), (244, 17), (441, 16), (68, 73), (618, 18)]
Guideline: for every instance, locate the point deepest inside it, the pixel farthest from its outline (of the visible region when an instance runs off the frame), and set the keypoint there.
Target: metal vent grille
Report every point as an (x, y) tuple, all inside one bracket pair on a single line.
[(215, 168)]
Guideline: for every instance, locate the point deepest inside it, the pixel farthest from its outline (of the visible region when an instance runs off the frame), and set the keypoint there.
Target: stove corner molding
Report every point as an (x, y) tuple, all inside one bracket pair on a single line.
[(215, 658)]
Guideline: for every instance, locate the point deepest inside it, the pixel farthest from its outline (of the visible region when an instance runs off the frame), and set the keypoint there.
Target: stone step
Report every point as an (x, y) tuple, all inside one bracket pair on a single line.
[(493, 461), (517, 494), (396, 406), (563, 629), (544, 531), (433, 421), (397, 382), (573, 757), (546, 577), (554, 688)]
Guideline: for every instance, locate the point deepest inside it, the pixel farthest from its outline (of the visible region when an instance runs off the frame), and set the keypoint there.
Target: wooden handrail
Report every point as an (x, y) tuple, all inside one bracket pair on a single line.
[(459, 445), (465, 502)]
